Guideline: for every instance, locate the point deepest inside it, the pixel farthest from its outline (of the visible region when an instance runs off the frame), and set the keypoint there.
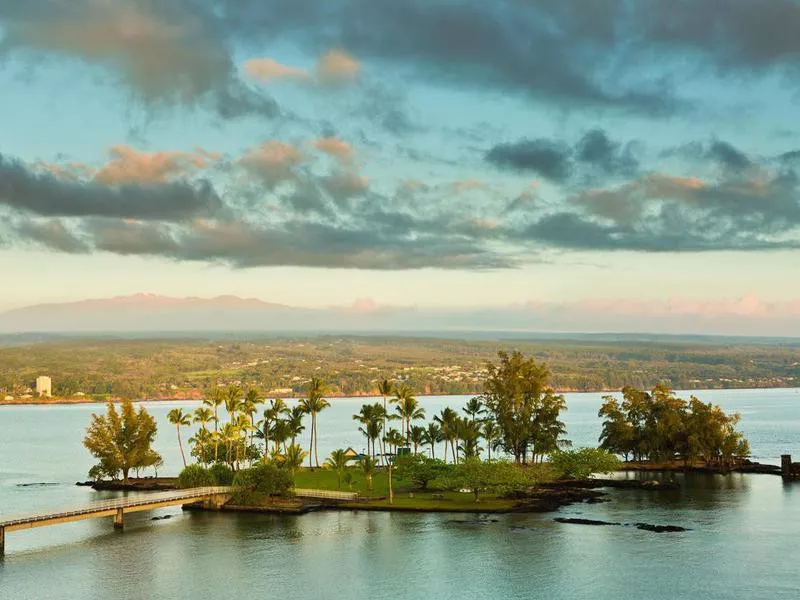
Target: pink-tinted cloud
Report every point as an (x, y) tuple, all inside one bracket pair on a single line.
[(337, 67), (332, 69), (338, 149), (268, 69), (272, 162), (129, 165)]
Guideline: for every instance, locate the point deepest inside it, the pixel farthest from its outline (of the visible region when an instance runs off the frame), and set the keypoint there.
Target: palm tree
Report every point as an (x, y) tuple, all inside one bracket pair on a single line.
[(249, 407), (371, 418), (470, 433), (313, 404), (408, 408), (295, 422), (432, 436), (446, 421), (293, 457), (233, 399), (338, 462), (203, 415), (417, 436), (474, 407), (367, 465), (180, 419), (201, 441), (491, 433), (214, 399), (385, 388)]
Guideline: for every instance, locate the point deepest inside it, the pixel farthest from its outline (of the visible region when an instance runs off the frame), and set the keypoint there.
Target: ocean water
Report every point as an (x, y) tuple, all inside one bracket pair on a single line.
[(742, 541)]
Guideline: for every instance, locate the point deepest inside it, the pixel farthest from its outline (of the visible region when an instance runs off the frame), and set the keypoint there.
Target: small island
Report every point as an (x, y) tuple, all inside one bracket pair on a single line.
[(506, 452)]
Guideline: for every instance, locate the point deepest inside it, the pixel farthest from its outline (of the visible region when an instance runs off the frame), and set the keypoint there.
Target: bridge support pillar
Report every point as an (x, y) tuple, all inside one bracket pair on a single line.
[(119, 519), (786, 465), (2, 540)]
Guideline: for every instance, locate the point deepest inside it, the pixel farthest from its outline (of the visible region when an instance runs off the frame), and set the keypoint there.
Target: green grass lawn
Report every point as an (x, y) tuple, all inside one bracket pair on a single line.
[(405, 496), (326, 479)]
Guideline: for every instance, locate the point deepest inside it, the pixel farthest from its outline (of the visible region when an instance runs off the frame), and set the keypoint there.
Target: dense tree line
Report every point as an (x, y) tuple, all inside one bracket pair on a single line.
[(659, 426)]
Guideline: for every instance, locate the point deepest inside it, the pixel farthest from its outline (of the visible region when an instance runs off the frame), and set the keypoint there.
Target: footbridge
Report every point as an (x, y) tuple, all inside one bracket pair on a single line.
[(211, 497)]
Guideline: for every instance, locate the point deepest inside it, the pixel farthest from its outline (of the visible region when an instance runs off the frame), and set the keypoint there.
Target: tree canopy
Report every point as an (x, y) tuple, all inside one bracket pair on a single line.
[(121, 441), (520, 399), (658, 425)]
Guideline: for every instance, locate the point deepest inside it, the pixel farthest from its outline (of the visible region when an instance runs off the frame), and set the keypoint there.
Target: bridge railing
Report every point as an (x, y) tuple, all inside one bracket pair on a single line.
[(140, 499), (325, 494)]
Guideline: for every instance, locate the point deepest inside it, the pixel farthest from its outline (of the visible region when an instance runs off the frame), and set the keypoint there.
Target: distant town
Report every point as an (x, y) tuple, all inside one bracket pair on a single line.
[(84, 370)]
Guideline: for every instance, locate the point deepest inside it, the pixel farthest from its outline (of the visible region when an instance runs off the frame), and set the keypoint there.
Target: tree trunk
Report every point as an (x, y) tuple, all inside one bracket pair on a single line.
[(180, 445), (125, 472), (391, 492), (316, 443), (311, 443)]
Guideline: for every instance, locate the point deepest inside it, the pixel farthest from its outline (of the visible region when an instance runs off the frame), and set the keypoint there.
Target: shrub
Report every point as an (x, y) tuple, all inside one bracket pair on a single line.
[(421, 470), (195, 476), (257, 483), (223, 474), (579, 464), (478, 475)]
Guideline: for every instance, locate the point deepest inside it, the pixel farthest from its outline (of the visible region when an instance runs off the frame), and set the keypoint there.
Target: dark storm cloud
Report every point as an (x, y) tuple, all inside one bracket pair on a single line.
[(597, 150), (51, 234), (594, 154), (728, 156), (44, 194), (553, 51), (544, 157)]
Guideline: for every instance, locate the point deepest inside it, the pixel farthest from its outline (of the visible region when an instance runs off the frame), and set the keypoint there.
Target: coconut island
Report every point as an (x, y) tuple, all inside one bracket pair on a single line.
[(505, 451)]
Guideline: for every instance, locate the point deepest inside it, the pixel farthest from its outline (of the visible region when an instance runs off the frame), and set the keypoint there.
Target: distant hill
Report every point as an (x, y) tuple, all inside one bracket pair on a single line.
[(143, 315)]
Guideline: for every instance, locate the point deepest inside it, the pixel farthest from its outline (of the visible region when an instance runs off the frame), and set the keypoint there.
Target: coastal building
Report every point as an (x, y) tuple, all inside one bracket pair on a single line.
[(44, 386)]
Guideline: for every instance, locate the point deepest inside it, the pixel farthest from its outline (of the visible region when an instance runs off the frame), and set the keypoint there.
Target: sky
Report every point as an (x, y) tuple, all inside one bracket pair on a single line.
[(429, 153)]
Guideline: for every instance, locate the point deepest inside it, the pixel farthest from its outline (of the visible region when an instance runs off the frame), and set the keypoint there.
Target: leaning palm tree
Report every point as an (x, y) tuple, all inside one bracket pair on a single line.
[(385, 389), (313, 404), (214, 399), (180, 419), (432, 436), (338, 462)]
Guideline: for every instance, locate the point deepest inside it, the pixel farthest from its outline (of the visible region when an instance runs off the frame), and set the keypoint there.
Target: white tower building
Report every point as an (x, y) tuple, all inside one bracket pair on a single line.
[(44, 386)]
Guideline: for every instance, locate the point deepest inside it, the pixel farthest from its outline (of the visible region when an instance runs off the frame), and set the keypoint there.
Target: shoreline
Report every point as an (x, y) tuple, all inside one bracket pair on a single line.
[(87, 400)]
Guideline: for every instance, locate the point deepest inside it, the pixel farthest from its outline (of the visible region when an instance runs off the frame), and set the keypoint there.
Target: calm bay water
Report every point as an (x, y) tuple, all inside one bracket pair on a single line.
[(742, 543)]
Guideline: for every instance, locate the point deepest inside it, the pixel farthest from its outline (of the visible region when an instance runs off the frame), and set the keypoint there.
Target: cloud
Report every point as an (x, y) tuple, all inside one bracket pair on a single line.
[(170, 52), (26, 190), (549, 159)]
